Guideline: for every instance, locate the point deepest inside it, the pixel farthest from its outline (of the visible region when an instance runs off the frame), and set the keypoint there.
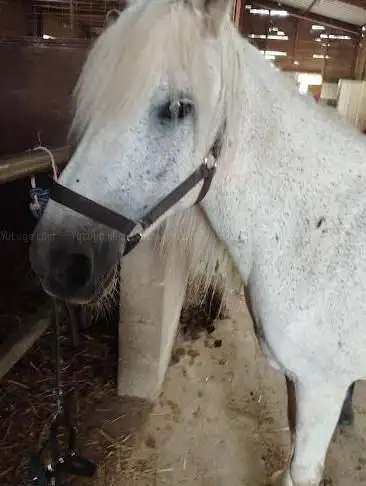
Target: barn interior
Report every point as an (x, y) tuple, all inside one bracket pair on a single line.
[(320, 44)]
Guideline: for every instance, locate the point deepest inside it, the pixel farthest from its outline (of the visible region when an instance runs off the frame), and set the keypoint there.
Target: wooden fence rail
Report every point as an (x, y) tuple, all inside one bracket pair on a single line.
[(30, 163)]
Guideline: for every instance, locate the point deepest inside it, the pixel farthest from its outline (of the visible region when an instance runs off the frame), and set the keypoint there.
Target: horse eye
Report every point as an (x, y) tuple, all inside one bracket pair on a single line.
[(177, 110)]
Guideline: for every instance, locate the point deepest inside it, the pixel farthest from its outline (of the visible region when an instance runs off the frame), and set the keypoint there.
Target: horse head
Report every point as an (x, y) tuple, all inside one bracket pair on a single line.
[(151, 102)]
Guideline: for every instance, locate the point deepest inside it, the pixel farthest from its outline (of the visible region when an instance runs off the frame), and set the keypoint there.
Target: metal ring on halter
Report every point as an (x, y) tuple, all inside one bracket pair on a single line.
[(206, 163)]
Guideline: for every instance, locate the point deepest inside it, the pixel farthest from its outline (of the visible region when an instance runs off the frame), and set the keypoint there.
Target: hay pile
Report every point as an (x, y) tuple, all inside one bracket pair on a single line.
[(27, 399)]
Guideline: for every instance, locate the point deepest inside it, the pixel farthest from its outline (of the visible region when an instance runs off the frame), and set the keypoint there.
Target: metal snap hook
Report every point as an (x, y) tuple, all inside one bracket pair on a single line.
[(210, 162)]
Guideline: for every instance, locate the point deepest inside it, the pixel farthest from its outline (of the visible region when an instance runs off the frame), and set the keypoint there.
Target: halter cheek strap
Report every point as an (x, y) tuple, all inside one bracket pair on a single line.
[(120, 223)]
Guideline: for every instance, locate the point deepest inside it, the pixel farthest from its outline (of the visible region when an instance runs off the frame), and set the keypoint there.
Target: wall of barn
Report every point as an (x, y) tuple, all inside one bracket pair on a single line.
[(34, 99), (59, 27), (36, 82), (19, 19), (14, 18), (38, 76), (304, 49)]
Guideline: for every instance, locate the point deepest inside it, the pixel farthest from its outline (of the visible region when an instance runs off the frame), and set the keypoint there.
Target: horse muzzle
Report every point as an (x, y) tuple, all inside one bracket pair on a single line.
[(75, 267)]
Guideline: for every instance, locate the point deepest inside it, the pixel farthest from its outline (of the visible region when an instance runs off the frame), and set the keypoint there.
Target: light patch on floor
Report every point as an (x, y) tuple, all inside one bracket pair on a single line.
[(221, 418)]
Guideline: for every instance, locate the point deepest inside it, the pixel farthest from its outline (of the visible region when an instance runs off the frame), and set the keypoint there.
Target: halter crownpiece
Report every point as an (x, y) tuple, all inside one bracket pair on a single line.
[(205, 172)]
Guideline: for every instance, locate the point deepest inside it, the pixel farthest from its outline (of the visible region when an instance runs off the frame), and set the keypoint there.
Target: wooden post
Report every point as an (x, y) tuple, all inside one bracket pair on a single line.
[(360, 65), (325, 53), (268, 24), (37, 28), (296, 41), (244, 16), (236, 13), (72, 17)]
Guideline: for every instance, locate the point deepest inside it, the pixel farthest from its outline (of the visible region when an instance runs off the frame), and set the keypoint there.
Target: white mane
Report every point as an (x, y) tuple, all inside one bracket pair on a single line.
[(118, 76)]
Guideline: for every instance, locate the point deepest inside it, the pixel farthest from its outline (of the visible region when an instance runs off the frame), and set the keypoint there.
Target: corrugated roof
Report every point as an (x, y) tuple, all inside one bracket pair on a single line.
[(333, 9), (94, 10)]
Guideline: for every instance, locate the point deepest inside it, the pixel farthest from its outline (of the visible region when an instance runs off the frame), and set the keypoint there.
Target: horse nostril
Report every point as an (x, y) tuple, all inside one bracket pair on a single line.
[(77, 270)]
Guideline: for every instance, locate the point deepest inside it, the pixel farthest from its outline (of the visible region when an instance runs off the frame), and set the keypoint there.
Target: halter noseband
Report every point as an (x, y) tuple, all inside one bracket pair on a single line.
[(117, 221)]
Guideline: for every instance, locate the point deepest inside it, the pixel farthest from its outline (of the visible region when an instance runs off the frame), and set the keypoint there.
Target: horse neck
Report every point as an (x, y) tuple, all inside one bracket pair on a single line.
[(286, 151)]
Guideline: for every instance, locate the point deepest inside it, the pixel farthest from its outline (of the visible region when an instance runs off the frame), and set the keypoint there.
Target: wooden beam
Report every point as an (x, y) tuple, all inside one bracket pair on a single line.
[(295, 42), (30, 163), (12, 350), (360, 64), (324, 67), (237, 12), (38, 15), (356, 51), (72, 17), (355, 3), (311, 17), (310, 6)]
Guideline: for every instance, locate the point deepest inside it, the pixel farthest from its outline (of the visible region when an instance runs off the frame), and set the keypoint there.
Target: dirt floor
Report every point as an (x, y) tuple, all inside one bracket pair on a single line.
[(220, 419)]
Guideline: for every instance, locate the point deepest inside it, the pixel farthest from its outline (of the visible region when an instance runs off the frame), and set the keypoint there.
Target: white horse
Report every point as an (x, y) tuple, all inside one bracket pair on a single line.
[(160, 86)]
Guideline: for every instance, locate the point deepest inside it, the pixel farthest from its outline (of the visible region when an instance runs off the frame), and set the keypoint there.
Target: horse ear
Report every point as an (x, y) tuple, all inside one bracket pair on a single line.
[(111, 17), (214, 11)]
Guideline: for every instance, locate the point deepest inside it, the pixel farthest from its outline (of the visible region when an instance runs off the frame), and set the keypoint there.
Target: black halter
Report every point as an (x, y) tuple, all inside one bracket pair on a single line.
[(116, 221)]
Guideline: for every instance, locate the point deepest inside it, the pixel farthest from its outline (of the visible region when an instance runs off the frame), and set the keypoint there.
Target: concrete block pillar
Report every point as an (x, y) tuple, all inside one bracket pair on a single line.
[(352, 102), (153, 289)]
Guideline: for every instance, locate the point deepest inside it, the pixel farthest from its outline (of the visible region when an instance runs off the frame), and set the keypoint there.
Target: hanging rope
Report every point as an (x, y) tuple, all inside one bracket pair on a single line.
[(52, 463), (40, 196)]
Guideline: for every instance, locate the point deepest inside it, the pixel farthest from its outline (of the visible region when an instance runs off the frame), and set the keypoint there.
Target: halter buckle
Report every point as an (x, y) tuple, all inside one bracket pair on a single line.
[(131, 242)]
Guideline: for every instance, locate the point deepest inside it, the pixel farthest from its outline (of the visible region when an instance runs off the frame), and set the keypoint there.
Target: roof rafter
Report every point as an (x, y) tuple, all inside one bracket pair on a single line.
[(312, 17)]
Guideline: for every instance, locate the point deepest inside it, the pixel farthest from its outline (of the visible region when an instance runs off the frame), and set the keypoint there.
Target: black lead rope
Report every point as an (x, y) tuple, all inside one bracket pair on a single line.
[(59, 464)]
